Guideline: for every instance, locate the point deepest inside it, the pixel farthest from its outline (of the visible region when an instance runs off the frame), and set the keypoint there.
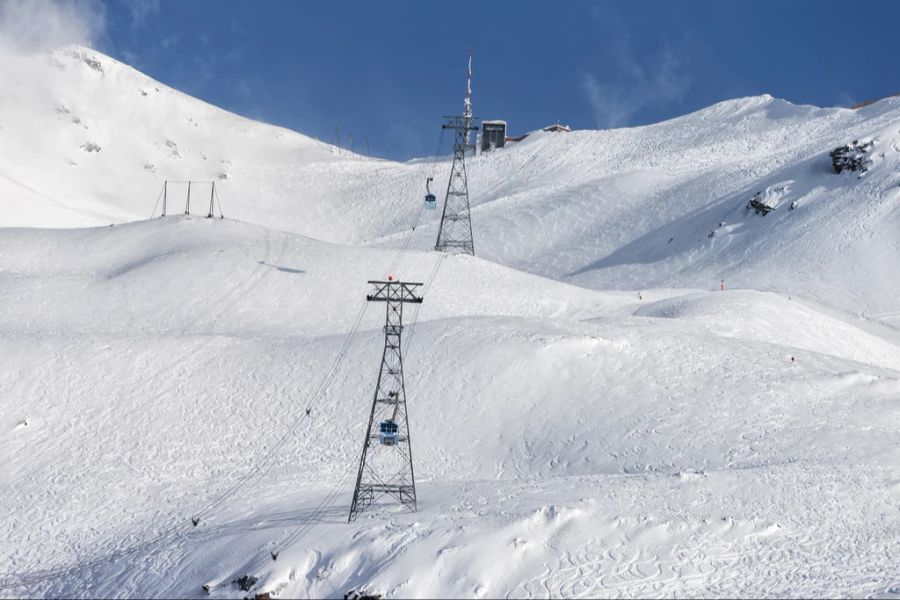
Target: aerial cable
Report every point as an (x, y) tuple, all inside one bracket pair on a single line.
[(258, 469), (329, 375), (396, 262), (437, 154), (415, 316), (157, 202), (307, 523), (304, 526), (311, 520), (185, 527), (403, 247), (216, 193)]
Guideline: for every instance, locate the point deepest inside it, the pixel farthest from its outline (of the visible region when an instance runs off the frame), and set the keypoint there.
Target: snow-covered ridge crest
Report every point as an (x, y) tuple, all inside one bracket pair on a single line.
[(615, 208), (86, 139), (638, 203)]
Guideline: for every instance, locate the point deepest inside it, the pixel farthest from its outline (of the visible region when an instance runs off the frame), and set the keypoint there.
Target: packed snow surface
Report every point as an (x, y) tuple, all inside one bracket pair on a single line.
[(639, 387)]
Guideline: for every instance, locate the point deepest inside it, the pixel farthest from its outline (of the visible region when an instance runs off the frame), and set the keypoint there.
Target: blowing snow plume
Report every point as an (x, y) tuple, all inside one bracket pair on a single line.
[(31, 28), (41, 25)]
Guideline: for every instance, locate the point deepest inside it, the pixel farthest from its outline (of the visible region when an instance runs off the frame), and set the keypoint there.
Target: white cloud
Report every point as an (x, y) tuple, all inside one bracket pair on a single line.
[(615, 102), (635, 82), (38, 25), (846, 99), (140, 11)]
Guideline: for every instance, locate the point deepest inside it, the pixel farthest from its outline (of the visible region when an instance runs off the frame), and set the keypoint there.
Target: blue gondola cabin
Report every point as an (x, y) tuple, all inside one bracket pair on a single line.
[(389, 434), (430, 200)]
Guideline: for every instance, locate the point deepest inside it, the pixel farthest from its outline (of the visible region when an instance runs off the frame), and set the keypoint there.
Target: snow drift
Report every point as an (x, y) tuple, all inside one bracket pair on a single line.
[(591, 415)]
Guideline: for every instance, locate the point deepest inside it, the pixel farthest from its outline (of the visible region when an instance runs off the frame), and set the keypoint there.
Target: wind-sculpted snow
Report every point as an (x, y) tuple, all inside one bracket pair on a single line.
[(775, 319), (563, 447), (639, 387)]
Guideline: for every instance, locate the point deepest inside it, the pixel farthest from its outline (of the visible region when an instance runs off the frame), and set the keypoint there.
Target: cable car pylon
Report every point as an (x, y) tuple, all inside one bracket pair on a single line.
[(386, 465), (455, 232)]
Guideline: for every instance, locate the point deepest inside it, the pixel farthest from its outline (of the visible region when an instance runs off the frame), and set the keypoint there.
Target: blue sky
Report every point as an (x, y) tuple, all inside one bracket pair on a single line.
[(387, 71)]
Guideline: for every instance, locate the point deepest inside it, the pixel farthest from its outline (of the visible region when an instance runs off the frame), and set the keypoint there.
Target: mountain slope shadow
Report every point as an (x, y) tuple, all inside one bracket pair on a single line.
[(692, 231)]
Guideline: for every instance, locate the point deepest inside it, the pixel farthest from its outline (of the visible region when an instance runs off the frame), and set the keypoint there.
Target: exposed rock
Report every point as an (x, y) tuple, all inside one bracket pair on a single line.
[(361, 595), (93, 63), (852, 157), (712, 233), (90, 147), (246, 582), (756, 203)]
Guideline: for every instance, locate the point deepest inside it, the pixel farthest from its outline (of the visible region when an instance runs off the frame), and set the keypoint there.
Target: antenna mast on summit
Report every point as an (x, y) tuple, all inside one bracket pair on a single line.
[(455, 232), (468, 113)]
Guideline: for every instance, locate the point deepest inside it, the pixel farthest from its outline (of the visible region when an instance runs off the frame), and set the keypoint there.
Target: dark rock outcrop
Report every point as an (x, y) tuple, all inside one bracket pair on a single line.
[(758, 205), (852, 157), (246, 582)]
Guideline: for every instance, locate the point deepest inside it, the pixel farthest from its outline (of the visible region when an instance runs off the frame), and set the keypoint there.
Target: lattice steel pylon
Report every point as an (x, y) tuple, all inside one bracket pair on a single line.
[(386, 466), (455, 233)]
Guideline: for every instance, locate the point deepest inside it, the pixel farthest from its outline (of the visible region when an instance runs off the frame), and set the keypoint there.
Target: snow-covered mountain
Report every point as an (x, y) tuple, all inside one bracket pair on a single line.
[(592, 415), (86, 140)]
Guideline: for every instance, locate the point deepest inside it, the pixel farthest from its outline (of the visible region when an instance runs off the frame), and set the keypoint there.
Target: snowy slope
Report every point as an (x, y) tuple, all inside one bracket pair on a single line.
[(152, 365), (656, 206), (591, 415), (86, 139)]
